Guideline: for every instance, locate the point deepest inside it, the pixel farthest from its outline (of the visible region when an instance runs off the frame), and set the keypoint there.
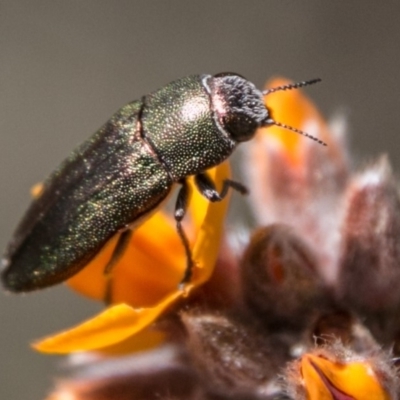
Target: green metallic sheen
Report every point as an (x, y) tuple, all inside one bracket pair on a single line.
[(184, 107), (126, 169), (110, 181)]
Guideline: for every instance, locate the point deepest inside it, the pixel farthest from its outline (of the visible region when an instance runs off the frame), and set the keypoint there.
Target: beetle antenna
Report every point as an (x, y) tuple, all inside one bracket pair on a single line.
[(270, 121), (291, 86)]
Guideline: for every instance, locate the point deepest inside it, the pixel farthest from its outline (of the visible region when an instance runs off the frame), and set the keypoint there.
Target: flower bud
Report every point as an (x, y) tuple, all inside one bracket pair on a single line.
[(231, 356), (369, 278), (279, 278)]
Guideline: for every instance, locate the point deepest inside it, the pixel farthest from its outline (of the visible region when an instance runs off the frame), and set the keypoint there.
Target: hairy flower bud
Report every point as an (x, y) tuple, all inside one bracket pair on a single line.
[(231, 356), (279, 278), (369, 279)]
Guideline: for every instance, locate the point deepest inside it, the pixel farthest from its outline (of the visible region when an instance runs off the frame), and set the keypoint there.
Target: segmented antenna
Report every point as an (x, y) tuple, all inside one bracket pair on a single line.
[(291, 86), (270, 121)]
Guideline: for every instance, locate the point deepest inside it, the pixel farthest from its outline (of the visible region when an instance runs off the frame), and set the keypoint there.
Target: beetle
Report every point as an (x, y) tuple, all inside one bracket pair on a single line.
[(121, 174)]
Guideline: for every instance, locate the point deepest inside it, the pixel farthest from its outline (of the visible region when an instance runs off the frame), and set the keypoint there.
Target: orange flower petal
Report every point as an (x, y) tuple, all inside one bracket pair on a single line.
[(144, 340), (149, 261), (36, 190), (119, 322), (355, 379), (208, 239), (113, 325)]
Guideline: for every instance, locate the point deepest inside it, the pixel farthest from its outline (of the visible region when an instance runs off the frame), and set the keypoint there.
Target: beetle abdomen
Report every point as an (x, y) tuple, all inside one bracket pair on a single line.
[(109, 182)]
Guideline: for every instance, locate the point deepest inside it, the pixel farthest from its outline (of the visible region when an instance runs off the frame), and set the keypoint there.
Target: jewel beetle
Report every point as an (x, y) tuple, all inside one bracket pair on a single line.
[(121, 174)]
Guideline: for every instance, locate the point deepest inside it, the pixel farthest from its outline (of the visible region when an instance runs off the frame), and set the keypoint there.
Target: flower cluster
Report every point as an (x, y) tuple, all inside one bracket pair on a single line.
[(307, 310)]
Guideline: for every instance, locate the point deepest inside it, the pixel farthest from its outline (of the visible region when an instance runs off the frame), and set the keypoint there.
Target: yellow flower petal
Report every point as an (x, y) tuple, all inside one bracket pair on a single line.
[(36, 190), (208, 239), (155, 261), (144, 340), (121, 321), (113, 325), (355, 379)]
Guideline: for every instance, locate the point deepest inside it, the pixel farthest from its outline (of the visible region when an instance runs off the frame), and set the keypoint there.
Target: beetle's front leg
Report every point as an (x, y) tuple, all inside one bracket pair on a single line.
[(207, 187), (180, 211)]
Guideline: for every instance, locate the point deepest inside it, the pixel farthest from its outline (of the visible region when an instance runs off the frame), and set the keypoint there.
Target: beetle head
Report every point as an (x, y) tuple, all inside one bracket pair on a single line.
[(239, 105)]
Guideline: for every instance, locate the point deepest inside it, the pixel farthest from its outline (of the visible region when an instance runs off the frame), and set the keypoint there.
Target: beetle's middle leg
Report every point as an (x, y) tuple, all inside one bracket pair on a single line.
[(118, 252)]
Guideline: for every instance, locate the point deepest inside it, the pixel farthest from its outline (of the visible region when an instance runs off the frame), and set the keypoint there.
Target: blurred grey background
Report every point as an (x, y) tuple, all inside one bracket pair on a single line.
[(66, 66)]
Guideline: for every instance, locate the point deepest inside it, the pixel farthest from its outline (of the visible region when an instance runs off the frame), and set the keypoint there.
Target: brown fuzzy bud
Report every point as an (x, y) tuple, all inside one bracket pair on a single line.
[(369, 278), (231, 357), (298, 183), (340, 325), (279, 278)]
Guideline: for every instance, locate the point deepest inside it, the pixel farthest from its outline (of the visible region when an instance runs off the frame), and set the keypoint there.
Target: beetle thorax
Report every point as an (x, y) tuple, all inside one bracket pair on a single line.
[(181, 126)]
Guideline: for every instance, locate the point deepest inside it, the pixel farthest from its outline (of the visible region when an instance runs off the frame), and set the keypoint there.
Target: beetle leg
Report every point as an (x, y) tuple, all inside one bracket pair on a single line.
[(207, 188), (118, 252), (180, 211)]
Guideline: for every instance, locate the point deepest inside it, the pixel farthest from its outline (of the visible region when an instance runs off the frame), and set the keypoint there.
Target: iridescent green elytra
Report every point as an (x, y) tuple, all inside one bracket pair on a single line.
[(124, 171)]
